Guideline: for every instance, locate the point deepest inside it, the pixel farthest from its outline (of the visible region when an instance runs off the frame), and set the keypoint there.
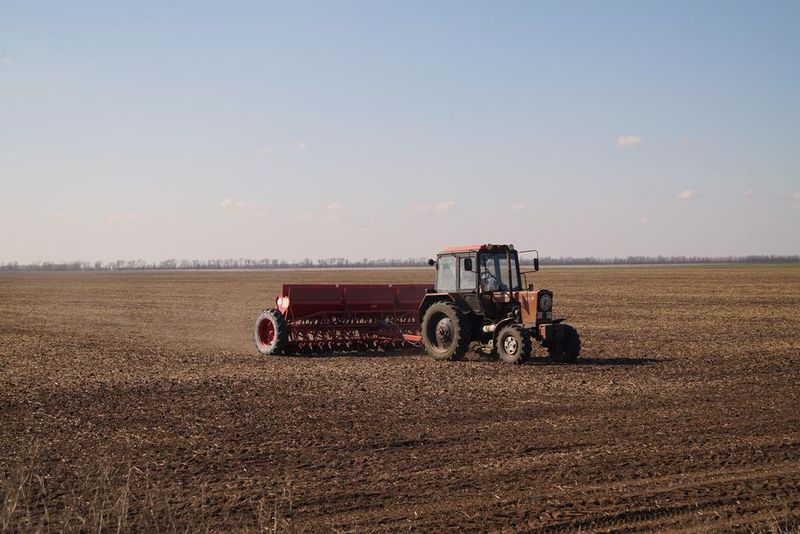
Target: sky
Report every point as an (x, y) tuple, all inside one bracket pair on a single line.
[(157, 130)]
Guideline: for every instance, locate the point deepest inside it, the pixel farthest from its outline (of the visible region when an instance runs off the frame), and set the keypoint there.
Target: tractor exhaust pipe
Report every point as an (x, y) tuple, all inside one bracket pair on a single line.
[(510, 281)]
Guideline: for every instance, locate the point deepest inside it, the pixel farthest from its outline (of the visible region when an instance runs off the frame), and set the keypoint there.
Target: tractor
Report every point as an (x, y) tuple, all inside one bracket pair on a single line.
[(478, 298)]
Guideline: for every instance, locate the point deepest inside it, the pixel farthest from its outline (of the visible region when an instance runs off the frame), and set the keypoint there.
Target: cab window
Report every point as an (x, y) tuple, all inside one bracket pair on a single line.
[(466, 280), (446, 275), (494, 272)]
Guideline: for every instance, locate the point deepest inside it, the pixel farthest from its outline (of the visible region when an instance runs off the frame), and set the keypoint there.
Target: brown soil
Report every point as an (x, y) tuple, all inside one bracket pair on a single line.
[(136, 401)]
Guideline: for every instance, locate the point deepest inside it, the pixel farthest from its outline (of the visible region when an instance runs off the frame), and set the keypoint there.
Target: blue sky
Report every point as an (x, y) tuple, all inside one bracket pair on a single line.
[(392, 129)]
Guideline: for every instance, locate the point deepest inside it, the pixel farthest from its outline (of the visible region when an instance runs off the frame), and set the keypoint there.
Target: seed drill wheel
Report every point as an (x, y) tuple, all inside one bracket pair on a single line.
[(568, 350), (445, 334), (271, 332), (513, 344)]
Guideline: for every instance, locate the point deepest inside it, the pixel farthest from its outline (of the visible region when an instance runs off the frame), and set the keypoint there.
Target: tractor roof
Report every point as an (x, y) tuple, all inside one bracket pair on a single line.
[(474, 248)]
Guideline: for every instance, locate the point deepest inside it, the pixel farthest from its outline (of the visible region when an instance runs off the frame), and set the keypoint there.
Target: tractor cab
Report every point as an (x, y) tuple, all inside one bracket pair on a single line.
[(478, 269), (486, 281)]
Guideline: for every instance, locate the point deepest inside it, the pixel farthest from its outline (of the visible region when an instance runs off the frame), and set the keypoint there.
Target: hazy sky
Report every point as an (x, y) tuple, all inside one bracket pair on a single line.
[(162, 130)]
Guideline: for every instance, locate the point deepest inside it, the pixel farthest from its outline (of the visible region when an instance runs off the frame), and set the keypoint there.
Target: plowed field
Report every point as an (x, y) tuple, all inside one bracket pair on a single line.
[(137, 401)]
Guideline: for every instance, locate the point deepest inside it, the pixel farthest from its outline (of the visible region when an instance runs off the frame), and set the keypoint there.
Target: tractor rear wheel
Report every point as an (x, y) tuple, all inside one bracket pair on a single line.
[(567, 350), (513, 344), (445, 332), (271, 332)]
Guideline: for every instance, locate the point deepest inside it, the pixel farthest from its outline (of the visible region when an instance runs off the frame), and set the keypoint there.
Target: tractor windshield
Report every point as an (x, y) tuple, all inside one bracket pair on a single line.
[(494, 272)]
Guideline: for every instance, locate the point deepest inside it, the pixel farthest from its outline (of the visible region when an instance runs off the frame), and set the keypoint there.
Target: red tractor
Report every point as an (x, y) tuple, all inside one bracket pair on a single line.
[(479, 298)]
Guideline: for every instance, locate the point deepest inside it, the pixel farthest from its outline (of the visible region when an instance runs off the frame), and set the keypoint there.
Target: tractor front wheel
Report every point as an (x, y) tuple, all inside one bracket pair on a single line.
[(271, 332), (445, 332), (513, 344), (568, 349)]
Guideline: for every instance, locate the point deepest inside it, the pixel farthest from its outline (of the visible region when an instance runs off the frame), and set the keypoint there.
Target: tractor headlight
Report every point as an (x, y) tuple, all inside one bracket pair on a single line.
[(545, 302)]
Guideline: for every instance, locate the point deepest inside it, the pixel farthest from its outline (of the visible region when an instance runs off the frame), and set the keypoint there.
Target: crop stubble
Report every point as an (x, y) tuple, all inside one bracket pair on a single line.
[(136, 400)]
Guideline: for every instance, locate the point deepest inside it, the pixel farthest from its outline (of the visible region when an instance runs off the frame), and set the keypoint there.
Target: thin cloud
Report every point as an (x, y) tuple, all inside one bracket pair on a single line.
[(63, 216), (127, 218), (517, 206), (627, 141), (748, 194), (253, 211), (447, 205), (645, 220), (332, 211), (796, 203), (6, 61), (440, 207), (230, 203), (688, 194), (272, 150)]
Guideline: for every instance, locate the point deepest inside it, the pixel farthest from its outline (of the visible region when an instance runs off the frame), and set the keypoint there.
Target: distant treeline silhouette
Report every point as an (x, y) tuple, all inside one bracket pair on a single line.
[(334, 263)]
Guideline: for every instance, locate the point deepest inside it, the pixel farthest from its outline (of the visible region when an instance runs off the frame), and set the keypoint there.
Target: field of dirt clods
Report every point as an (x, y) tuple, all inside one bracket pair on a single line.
[(136, 401)]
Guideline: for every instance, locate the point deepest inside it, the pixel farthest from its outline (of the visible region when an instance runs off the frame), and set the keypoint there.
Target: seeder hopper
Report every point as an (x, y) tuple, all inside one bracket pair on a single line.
[(325, 318)]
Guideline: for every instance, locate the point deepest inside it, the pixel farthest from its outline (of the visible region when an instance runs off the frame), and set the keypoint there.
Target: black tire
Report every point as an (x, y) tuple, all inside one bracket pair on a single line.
[(569, 349), (271, 332), (513, 344), (445, 332)]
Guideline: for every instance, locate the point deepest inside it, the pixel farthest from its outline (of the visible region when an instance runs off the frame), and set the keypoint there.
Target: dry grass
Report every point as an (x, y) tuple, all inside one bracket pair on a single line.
[(784, 522), (108, 499)]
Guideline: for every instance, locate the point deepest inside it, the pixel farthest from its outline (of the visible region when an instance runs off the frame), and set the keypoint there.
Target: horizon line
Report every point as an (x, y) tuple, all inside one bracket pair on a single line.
[(343, 263)]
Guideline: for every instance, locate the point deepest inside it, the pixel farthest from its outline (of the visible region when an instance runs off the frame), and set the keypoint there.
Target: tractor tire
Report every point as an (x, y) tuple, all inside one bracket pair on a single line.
[(445, 332), (271, 332), (568, 350), (513, 344)]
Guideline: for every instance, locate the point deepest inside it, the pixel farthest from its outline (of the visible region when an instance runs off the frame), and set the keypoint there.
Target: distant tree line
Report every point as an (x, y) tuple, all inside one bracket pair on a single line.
[(665, 260), (333, 263)]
